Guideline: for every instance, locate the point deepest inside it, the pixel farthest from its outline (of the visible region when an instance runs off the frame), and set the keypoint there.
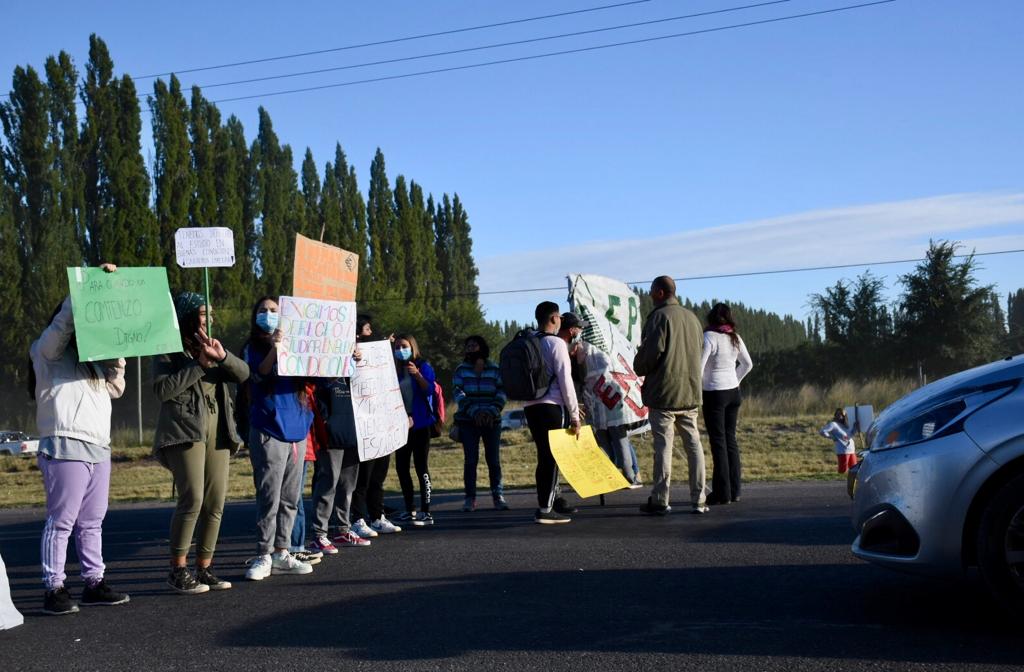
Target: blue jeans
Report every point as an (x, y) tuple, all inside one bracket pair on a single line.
[(470, 435), (299, 528)]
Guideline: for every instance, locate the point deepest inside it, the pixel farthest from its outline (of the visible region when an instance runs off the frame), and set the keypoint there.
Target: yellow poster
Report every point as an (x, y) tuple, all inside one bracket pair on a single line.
[(584, 464)]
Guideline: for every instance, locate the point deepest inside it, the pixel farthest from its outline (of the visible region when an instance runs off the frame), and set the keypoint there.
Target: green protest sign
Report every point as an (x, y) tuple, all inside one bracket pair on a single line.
[(128, 313)]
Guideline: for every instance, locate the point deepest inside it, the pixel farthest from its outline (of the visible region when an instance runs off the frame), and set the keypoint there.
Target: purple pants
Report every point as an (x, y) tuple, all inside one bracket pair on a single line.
[(76, 499)]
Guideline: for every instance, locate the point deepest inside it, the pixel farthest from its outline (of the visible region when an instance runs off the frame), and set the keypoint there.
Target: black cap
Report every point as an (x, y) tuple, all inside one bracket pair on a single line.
[(570, 320)]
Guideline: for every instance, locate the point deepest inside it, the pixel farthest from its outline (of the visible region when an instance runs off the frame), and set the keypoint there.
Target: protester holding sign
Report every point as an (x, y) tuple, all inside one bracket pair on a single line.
[(368, 497), (195, 438), (279, 420), (480, 397), (416, 380), (724, 362), (73, 416)]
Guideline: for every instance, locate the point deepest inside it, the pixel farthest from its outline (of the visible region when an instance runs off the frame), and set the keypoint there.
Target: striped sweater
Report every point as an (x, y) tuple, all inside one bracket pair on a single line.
[(476, 392)]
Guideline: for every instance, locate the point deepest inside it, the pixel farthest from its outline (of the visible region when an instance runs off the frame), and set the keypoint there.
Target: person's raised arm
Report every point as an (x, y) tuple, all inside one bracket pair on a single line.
[(113, 373)]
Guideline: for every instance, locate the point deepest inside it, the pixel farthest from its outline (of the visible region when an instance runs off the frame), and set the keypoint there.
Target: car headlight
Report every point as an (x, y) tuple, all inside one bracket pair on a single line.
[(939, 417)]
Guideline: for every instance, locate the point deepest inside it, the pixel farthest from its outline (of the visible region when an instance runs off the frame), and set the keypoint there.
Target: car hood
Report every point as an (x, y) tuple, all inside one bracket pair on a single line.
[(1011, 368)]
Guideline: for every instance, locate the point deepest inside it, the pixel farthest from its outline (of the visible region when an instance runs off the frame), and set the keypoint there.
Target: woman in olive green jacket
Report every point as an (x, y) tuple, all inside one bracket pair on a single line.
[(195, 437)]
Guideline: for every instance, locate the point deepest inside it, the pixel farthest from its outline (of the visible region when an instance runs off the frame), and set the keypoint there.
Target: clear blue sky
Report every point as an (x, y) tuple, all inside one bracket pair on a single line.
[(842, 138)]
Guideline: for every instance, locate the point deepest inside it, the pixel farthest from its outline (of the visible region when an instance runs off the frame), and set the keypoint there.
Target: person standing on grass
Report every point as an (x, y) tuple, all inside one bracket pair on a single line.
[(724, 363), (839, 431), (416, 380), (557, 409), (73, 417), (279, 420), (195, 439), (337, 466), (669, 357), (480, 397), (368, 496)]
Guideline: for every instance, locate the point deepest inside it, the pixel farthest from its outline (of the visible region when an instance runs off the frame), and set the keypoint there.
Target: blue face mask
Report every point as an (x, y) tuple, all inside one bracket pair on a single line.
[(267, 321), (403, 354)]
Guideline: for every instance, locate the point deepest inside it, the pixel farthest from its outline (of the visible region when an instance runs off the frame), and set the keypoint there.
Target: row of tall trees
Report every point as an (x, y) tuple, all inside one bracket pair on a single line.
[(76, 189)]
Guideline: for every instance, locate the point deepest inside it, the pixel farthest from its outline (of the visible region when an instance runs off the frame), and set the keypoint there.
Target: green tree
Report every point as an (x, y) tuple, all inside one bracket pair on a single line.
[(946, 318), (1015, 321), (353, 218), (173, 176), (229, 160), (275, 185), (204, 120), (15, 336), (387, 259), (312, 225), (62, 81)]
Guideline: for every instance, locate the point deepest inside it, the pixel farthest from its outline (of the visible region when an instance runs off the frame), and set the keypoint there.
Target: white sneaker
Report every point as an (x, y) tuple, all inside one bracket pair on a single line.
[(360, 528), (284, 562), (259, 568), (385, 526)]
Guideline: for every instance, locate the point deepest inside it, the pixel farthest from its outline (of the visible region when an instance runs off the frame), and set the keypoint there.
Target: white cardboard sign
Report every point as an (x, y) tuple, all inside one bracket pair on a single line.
[(204, 247), (382, 425)]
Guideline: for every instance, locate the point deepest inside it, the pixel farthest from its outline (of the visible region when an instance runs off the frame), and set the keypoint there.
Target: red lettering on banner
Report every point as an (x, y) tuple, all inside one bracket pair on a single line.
[(607, 393)]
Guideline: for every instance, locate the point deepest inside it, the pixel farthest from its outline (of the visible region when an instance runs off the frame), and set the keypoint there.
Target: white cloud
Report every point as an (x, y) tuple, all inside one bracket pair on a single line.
[(846, 235)]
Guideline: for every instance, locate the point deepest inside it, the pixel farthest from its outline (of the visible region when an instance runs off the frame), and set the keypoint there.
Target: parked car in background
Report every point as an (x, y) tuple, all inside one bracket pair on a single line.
[(17, 443), (514, 419), (941, 486)]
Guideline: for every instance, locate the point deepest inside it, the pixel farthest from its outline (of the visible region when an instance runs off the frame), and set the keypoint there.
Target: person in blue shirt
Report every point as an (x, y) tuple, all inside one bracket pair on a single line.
[(416, 380), (279, 421)]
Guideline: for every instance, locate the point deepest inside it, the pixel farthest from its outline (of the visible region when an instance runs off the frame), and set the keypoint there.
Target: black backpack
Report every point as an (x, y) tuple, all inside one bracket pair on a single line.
[(524, 375)]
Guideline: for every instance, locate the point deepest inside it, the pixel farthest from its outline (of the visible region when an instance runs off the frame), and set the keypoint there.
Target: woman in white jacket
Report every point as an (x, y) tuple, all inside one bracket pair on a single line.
[(724, 362), (73, 415)]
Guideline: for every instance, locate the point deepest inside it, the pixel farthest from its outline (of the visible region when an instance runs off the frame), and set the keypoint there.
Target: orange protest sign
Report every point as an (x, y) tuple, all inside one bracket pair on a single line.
[(323, 271)]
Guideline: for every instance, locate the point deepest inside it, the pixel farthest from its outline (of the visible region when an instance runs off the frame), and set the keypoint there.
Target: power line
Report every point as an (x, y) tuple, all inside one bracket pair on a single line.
[(747, 274), (553, 53), (397, 39), (497, 45)]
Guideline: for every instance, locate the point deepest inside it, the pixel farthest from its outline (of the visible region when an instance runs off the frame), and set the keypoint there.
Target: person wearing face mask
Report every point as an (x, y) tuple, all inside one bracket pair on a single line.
[(368, 496), (279, 420), (195, 438), (480, 397), (416, 380)]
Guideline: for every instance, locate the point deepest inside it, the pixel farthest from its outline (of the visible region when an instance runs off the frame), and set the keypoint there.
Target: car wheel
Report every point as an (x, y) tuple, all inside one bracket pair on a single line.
[(1001, 545)]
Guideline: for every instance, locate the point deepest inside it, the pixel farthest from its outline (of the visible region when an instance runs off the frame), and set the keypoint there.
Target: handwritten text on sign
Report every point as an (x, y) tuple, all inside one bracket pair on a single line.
[(123, 314), (382, 424), (584, 464), (323, 271), (318, 338), (205, 246)]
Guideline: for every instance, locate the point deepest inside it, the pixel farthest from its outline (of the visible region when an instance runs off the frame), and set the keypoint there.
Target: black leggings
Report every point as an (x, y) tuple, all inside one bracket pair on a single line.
[(418, 449), (721, 407), (368, 497)]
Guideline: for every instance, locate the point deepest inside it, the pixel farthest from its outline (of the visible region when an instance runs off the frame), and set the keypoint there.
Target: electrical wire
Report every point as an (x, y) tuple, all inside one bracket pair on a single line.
[(565, 52), (396, 39), (497, 45), (720, 276)]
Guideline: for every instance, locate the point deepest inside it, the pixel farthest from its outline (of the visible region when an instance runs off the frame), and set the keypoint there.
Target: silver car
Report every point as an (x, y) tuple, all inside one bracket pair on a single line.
[(941, 486)]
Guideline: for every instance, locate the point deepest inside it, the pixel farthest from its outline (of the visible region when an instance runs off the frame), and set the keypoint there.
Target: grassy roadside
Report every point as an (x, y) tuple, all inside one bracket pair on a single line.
[(773, 448)]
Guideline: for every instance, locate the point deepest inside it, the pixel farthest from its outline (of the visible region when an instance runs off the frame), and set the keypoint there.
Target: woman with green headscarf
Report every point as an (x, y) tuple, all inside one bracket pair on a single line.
[(195, 438)]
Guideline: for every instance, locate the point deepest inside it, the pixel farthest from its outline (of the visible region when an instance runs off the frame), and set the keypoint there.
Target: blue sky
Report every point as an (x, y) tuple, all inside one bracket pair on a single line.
[(843, 138)]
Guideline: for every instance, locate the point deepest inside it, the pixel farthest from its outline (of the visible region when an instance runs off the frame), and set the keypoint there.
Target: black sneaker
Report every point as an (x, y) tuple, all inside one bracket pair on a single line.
[(102, 595), (561, 506), (652, 509), (183, 583), (208, 578), (550, 518), (58, 602)]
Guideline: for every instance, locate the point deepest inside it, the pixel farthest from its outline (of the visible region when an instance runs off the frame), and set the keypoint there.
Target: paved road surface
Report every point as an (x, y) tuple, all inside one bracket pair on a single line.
[(767, 584)]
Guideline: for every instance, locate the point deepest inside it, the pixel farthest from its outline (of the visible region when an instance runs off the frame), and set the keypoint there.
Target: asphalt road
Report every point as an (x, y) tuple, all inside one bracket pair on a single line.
[(766, 584)]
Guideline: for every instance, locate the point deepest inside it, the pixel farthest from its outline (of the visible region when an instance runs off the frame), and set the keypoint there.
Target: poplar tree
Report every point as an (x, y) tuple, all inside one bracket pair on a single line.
[(330, 210), (62, 81), (15, 336), (276, 193), (443, 247), (353, 217), (464, 269), (172, 169), (232, 283), (408, 244), (204, 119), (428, 289), (1015, 321), (312, 225), (386, 263)]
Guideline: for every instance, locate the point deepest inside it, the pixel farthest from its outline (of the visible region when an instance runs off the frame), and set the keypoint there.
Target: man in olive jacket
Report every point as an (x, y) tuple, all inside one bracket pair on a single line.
[(669, 360)]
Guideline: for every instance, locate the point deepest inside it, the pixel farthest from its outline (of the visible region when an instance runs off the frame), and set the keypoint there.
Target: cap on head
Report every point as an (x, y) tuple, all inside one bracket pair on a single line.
[(570, 320)]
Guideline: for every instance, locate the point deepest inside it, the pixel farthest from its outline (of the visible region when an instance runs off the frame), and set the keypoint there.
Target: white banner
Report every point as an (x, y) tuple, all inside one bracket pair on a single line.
[(318, 338), (382, 425), (612, 312), (204, 246)]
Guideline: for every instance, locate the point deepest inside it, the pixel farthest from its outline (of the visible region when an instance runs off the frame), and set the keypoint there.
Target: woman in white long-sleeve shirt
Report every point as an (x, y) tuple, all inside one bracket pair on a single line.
[(724, 362)]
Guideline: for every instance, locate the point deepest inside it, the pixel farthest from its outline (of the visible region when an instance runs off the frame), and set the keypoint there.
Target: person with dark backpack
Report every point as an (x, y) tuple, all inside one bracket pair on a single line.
[(535, 368)]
